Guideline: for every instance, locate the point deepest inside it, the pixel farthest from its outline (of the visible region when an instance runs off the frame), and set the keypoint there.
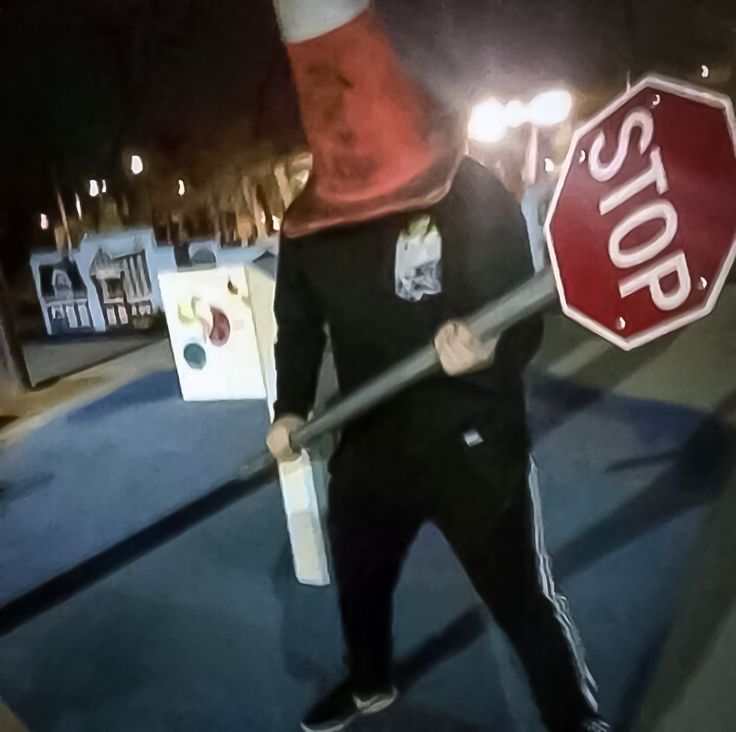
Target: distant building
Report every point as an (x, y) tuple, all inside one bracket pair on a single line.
[(108, 283), (63, 297), (111, 283), (123, 286)]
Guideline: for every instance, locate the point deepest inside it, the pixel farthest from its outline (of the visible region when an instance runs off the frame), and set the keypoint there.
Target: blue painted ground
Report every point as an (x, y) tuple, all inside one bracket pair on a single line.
[(211, 632)]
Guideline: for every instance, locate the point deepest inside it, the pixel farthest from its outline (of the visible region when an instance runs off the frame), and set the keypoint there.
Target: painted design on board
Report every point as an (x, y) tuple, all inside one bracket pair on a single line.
[(64, 296), (195, 356), (123, 285), (214, 324)]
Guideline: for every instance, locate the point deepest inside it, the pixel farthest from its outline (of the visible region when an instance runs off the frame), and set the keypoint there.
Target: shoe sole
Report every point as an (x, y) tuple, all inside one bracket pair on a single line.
[(338, 727)]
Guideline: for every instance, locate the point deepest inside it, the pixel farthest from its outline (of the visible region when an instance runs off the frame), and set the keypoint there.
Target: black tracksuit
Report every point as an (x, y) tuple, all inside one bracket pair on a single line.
[(451, 450)]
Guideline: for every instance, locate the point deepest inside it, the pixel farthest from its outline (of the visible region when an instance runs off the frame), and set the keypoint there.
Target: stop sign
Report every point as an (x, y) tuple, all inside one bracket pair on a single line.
[(642, 226)]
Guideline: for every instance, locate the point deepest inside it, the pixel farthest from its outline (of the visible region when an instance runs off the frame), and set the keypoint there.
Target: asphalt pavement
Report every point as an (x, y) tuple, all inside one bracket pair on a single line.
[(636, 460), (51, 358)]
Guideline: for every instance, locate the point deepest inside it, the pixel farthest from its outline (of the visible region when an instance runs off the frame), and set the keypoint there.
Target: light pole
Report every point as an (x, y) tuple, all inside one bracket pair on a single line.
[(489, 123), (136, 167)]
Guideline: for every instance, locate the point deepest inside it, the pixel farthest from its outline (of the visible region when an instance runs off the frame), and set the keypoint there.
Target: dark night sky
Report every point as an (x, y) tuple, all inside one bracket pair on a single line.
[(82, 79)]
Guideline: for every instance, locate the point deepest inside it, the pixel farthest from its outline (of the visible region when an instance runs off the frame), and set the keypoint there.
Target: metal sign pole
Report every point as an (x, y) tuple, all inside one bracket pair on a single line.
[(526, 300)]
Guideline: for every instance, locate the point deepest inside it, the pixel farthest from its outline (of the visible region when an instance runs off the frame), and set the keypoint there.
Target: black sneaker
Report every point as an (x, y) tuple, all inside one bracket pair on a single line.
[(341, 707)]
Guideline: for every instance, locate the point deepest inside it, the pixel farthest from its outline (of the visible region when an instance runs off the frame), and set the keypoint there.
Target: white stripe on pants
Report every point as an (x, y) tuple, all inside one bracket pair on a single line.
[(559, 601)]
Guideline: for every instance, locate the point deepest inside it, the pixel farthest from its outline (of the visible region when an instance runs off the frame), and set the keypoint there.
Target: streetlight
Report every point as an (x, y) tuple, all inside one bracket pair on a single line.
[(44, 222), (550, 108), (94, 188), (182, 187), (136, 164), (705, 71), (488, 122)]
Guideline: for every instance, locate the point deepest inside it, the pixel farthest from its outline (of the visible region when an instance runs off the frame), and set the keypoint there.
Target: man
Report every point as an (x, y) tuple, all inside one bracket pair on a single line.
[(386, 275), (452, 450)]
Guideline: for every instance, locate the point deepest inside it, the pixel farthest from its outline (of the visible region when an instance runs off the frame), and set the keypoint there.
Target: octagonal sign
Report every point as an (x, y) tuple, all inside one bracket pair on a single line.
[(642, 226)]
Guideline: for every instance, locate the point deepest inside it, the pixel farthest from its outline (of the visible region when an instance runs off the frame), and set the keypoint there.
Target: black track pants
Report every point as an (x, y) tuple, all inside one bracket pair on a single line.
[(481, 495)]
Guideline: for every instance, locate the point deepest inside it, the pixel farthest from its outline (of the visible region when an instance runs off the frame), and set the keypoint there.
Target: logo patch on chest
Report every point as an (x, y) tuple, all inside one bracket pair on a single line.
[(418, 270)]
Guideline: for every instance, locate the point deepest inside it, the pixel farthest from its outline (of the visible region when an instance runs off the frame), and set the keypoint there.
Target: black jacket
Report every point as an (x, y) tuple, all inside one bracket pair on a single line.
[(344, 279)]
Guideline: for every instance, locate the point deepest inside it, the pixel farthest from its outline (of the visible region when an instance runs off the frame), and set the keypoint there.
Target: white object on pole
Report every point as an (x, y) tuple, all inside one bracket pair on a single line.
[(531, 157), (487, 122), (550, 108), (302, 480)]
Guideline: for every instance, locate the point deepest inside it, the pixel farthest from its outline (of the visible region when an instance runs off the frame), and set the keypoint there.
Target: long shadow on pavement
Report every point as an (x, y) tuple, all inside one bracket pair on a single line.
[(159, 387), (702, 473), (298, 649), (695, 478), (708, 598)]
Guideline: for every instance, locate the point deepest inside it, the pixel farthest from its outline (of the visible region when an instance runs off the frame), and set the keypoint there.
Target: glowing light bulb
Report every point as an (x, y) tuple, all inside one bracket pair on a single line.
[(487, 122), (136, 164), (550, 108)]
